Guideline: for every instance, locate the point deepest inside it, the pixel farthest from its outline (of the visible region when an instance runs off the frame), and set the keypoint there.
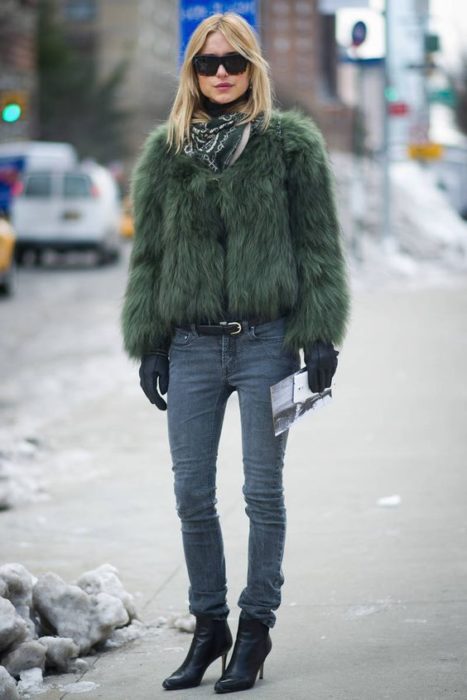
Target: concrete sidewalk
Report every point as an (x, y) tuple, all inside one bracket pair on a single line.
[(375, 599)]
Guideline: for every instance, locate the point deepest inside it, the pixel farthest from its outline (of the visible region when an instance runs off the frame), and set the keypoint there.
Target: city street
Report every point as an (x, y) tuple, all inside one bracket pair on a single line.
[(374, 603)]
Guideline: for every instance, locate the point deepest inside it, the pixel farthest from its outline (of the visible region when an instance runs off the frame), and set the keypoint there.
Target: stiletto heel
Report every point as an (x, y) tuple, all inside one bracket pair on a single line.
[(212, 639), (252, 645)]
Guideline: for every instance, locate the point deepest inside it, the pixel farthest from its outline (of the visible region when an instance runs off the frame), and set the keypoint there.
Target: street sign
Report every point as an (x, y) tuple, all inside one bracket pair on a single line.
[(330, 7), (398, 109), (425, 151), (192, 12), (445, 96), (358, 33), (432, 43)]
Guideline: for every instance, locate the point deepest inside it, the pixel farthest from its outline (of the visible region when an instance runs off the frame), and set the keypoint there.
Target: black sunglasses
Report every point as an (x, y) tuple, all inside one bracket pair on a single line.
[(234, 63)]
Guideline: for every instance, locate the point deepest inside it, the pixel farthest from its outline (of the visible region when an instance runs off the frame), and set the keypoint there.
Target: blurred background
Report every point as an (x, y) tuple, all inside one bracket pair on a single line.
[(386, 82)]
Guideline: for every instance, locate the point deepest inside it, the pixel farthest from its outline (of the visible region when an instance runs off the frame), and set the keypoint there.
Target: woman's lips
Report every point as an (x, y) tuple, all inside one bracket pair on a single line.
[(223, 86)]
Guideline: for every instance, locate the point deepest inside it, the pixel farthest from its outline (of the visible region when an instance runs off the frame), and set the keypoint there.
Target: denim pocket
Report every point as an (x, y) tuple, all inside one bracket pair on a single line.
[(273, 331), (269, 339), (182, 337)]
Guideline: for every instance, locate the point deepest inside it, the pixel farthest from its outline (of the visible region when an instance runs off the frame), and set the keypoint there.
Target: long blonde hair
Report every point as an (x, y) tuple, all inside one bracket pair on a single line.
[(188, 105)]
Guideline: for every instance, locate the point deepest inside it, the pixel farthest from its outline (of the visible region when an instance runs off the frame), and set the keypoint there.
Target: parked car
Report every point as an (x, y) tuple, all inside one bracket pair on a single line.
[(19, 157), (7, 258), (71, 209)]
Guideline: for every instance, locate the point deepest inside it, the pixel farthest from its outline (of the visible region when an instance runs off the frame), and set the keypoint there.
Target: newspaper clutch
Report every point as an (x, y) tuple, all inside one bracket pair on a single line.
[(292, 399)]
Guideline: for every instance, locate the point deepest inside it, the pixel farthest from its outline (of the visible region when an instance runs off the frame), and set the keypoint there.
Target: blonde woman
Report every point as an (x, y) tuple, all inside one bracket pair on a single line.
[(236, 267)]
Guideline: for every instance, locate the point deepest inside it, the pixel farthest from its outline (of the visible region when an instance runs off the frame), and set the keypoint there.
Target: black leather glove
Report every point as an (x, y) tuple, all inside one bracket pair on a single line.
[(154, 366), (321, 363)]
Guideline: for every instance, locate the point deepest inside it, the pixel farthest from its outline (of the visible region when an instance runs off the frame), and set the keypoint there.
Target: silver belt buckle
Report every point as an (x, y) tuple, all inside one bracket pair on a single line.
[(232, 323)]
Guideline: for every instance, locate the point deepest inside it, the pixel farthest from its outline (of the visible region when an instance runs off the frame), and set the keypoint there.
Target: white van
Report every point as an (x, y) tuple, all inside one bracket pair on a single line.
[(40, 154), (67, 209), (18, 157)]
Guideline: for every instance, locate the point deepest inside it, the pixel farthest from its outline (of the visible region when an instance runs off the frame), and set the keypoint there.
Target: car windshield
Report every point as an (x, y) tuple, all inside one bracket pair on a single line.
[(77, 185), (38, 185)]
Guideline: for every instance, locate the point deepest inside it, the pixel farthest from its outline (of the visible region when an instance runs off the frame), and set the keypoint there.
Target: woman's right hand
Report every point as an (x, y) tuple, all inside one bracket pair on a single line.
[(155, 366)]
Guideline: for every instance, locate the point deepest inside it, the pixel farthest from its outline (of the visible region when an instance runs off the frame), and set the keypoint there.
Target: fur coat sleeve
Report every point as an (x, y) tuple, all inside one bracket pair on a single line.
[(323, 304), (142, 292)]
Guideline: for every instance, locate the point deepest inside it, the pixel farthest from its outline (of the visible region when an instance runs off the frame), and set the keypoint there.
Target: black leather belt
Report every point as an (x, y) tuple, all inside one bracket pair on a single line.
[(223, 327)]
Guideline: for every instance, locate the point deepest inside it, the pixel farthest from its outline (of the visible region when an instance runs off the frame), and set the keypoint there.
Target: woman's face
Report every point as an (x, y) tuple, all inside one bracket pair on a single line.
[(221, 87)]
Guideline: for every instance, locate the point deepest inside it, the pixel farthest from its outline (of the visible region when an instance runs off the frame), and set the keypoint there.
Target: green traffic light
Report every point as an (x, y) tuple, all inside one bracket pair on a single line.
[(11, 112), (391, 94)]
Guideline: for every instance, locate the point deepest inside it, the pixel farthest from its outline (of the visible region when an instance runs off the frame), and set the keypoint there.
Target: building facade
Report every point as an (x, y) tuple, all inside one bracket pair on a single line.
[(143, 35), (300, 45), (298, 42), (18, 73)]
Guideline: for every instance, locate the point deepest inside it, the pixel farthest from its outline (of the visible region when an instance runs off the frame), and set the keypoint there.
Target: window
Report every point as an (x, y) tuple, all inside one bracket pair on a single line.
[(76, 186), (80, 10), (38, 185), (328, 56)]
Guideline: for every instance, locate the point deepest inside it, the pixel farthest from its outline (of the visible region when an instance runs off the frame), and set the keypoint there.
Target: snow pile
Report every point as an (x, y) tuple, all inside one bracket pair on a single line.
[(20, 473), (426, 224), (8, 689), (389, 501), (46, 624), (180, 621), (429, 239), (29, 464)]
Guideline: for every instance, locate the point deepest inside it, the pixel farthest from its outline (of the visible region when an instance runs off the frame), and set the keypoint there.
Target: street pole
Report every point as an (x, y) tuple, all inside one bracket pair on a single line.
[(358, 147), (386, 193), (423, 15)]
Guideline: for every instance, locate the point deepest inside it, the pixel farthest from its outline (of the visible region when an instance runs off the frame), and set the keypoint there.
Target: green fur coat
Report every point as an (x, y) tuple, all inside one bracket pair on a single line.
[(275, 205)]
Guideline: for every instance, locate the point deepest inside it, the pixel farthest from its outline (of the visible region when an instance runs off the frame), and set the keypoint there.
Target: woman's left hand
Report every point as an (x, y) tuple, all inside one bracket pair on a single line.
[(321, 364)]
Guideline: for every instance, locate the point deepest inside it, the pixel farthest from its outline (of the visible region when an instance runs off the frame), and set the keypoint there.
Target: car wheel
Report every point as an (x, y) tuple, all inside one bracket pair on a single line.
[(104, 256), (8, 285), (39, 257), (114, 255), (19, 255)]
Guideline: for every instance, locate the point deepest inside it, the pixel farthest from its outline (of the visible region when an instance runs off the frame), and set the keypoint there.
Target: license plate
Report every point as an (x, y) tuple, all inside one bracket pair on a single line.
[(71, 215)]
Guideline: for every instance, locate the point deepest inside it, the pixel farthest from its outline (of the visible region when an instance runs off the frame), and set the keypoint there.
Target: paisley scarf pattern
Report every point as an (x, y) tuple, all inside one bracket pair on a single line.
[(215, 142)]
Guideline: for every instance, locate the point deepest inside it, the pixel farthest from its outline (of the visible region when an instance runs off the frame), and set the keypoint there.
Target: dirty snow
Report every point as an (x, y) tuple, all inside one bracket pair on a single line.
[(60, 347), (46, 624), (79, 687), (8, 689), (429, 240), (389, 501), (30, 682), (357, 611)]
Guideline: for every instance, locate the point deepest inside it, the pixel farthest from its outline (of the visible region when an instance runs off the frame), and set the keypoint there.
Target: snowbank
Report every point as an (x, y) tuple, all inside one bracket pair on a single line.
[(426, 225), (428, 244), (20, 473), (47, 624)]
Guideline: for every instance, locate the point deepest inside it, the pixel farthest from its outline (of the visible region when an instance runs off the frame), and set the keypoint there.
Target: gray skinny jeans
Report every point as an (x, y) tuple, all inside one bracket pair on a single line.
[(204, 371)]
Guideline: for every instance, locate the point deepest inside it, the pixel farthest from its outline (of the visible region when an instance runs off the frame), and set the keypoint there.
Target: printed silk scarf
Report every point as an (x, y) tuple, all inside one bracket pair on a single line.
[(215, 142)]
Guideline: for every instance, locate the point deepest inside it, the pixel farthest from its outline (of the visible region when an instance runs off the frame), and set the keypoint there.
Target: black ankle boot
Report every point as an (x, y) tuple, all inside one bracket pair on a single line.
[(211, 639), (252, 645)]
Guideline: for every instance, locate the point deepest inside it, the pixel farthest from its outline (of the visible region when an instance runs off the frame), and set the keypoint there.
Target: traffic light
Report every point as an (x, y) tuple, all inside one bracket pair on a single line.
[(432, 46), (13, 105), (391, 93), (432, 43)]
